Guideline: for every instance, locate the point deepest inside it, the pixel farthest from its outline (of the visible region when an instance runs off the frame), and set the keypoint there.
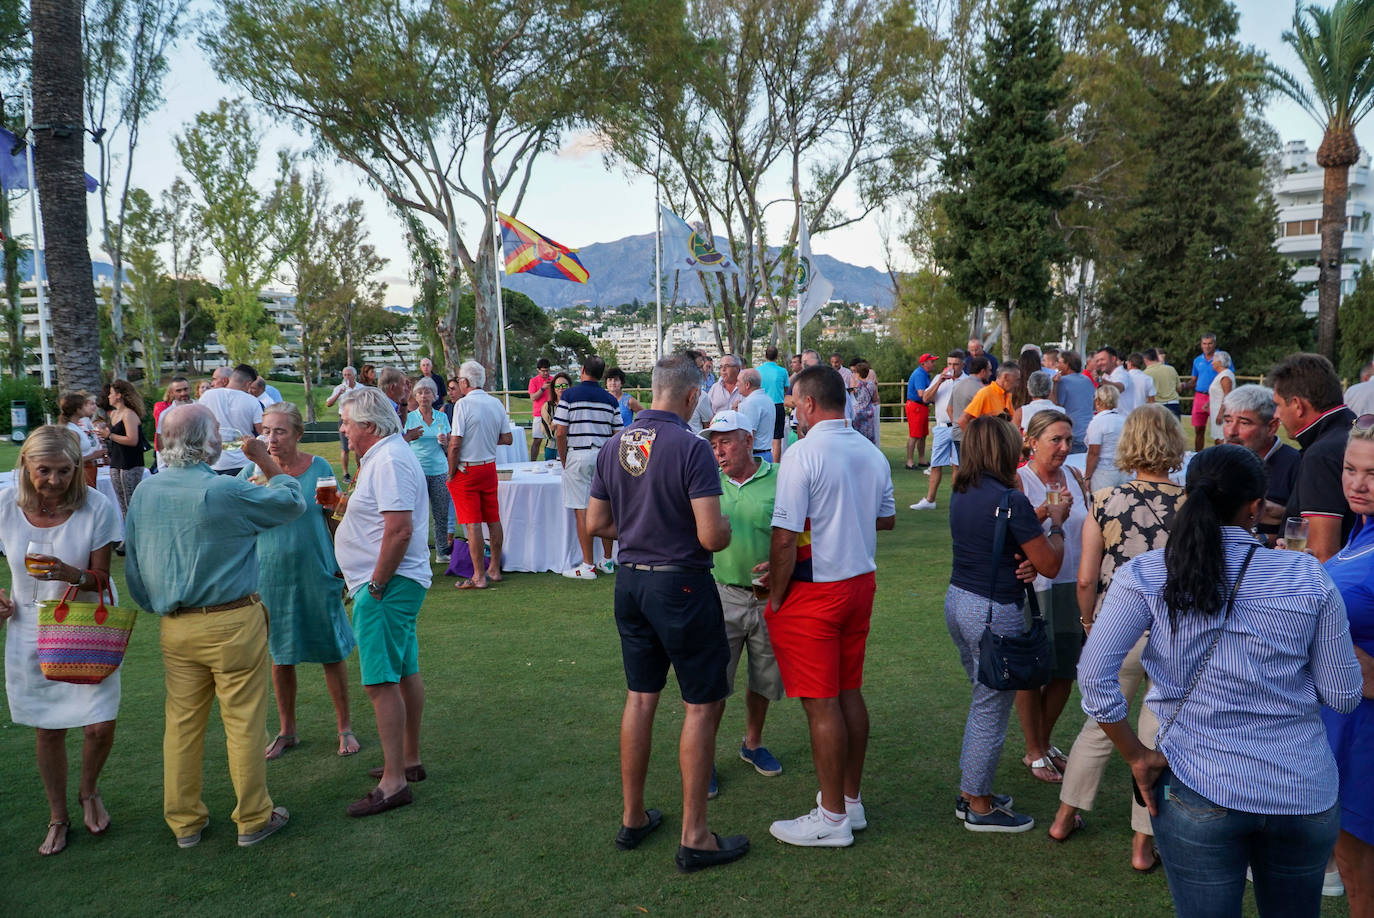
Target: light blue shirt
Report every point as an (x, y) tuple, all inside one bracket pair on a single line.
[(774, 380), (432, 457), (1250, 737), (192, 535)]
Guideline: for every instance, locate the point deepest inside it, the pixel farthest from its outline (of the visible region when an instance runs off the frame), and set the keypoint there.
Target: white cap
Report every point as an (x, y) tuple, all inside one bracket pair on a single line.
[(724, 422)]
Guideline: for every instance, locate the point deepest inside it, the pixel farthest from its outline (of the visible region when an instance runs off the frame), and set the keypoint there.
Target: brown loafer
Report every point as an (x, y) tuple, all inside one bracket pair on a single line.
[(374, 802), (414, 773)]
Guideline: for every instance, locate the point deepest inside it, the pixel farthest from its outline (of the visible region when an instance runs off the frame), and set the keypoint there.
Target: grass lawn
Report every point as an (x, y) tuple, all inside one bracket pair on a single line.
[(525, 691)]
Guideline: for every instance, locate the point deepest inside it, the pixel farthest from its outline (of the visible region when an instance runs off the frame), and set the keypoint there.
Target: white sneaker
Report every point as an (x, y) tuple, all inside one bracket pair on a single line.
[(812, 831), (858, 820), (1332, 886), (923, 504), (581, 572), (926, 473), (606, 567)]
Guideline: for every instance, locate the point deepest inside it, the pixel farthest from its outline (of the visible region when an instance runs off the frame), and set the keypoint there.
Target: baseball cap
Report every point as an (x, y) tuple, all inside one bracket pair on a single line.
[(925, 357), (724, 422)]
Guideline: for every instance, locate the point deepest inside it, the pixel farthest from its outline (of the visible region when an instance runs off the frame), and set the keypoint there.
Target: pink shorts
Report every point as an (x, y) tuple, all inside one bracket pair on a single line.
[(820, 634), (1201, 416)]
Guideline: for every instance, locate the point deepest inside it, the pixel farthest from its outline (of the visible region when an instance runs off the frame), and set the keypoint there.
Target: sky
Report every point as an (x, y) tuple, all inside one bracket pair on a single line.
[(572, 197)]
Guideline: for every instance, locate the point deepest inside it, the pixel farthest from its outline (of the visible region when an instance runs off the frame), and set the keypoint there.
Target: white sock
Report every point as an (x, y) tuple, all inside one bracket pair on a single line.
[(833, 819), (851, 801)]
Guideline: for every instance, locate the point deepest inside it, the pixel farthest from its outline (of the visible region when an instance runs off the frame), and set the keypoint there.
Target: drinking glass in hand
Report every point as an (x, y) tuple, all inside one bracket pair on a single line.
[(39, 558), (230, 439), (327, 492), (1295, 534), (1054, 493)]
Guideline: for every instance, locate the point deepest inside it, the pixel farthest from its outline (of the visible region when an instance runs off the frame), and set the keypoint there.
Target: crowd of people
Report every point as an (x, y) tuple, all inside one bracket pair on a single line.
[(739, 516)]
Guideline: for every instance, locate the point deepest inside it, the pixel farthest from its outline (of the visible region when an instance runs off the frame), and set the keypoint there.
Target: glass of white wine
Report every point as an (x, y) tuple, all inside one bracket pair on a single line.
[(1295, 533), (230, 439), (39, 548)]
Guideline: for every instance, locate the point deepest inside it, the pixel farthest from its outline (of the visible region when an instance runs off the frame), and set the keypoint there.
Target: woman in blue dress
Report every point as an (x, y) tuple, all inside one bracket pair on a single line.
[(1352, 735), (300, 588)]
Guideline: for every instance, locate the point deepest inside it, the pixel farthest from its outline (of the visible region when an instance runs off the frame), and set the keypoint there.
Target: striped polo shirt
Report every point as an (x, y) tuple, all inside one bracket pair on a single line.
[(1250, 737), (590, 413)]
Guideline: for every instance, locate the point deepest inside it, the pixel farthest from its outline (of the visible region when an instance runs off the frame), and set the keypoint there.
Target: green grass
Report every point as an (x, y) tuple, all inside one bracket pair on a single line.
[(525, 690)]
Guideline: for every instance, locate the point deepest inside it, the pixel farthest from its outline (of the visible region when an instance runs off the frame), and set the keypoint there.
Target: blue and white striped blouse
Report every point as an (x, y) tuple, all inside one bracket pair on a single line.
[(1250, 737)]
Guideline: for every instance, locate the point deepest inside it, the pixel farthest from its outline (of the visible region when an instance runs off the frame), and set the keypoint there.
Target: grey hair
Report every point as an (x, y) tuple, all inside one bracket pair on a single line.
[(347, 368), (1222, 356), (371, 406), (812, 353), (674, 377), (426, 383), (730, 357), (474, 373), (1251, 397), (293, 415), (221, 373), (189, 436), (1038, 385), (389, 376), (752, 377)]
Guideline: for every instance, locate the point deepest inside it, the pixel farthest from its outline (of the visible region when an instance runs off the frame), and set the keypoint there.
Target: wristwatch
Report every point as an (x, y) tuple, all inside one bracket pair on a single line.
[(1057, 530), (377, 590)]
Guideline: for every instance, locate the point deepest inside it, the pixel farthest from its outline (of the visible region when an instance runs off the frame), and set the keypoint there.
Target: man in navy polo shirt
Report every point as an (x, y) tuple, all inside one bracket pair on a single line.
[(657, 489)]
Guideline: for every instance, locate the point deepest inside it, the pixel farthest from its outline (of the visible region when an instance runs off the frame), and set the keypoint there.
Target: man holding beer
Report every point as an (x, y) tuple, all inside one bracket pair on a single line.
[(749, 484)]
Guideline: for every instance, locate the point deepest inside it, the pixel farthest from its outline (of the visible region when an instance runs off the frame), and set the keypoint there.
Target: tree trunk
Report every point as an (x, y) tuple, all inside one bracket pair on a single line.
[(60, 173), (1004, 324), (1335, 184), (14, 310), (486, 344)]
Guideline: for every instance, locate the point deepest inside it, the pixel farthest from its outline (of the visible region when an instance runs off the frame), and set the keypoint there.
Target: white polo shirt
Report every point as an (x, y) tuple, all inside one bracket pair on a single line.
[(480, 419), (757, 413), (1142, 388), (236, 409), (833, 486), (389, 478), (940, 407), (1126, 402)]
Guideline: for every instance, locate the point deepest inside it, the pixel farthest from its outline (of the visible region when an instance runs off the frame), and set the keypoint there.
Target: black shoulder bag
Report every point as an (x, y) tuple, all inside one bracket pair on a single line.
[(1011, 662)]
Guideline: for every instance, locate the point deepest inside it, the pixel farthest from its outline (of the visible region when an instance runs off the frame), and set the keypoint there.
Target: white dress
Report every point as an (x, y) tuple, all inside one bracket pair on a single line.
[(34, 700), (1035, 489), (1214, 400)]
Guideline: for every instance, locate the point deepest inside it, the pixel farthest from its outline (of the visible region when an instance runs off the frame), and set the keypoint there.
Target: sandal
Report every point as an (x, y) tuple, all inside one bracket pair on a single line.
[(1044, 765), (343, 745), (64, 825), (95, 797), (1078, 824), (1154, 862), (1060, 760), (280, 743)]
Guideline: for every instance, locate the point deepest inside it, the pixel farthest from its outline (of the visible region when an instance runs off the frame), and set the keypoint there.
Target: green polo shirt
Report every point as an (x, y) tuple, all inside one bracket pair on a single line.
[(750, 509)]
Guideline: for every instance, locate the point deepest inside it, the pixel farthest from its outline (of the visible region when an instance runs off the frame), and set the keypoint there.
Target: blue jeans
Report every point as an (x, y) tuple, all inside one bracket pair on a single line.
[(1206, 848)]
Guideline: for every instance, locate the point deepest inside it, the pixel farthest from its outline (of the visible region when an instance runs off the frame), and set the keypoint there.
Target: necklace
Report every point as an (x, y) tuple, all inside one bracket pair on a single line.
[(46, 512)]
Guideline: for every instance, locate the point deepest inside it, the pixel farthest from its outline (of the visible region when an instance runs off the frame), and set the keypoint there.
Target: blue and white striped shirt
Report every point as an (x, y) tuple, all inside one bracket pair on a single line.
[(1250, 737)]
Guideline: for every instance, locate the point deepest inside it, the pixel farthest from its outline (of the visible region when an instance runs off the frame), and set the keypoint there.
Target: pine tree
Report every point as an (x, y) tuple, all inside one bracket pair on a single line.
[(1357, 326), (1005, 172), (1198, 240)]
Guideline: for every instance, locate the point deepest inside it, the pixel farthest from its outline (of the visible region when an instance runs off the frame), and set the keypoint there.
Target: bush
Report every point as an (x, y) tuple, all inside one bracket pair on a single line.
[(39, 401)]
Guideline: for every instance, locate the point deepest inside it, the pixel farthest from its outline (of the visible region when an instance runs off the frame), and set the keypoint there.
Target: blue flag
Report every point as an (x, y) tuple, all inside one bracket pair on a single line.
[(14, 164)]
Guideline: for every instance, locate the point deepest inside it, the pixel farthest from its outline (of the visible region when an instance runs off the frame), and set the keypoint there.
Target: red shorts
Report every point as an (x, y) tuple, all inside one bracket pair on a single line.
[(819, 636), (1202, 410), (917, 419), (474, 495)]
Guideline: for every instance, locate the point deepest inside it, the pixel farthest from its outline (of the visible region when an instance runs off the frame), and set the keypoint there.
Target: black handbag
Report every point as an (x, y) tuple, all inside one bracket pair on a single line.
[(1012, 662)]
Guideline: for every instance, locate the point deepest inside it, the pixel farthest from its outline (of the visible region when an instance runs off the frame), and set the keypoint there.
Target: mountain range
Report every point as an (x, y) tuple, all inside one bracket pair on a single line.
[(623, 271)]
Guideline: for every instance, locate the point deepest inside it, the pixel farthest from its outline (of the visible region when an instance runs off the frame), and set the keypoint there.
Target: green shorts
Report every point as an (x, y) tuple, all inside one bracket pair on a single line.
[(385, 628)]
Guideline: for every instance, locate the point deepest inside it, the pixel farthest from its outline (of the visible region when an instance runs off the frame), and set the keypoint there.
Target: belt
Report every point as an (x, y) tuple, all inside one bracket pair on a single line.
[(944, 424), (221, 607), (577, 448), (464, 466), (666, 568)]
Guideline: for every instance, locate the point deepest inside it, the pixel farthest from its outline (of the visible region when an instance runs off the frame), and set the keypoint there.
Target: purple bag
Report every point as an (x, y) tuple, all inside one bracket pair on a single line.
[(460, 562)]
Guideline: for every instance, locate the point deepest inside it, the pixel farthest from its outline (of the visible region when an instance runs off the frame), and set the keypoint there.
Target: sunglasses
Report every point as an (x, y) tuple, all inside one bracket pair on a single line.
[(1363, 422), (561, 386)]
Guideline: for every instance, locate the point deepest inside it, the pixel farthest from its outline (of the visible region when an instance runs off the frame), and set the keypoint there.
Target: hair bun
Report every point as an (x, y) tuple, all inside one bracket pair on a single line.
[(1202, 483)]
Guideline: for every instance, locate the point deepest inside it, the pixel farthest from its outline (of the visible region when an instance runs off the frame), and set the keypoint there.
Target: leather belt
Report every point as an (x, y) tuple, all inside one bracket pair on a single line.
[(580, 448), (666, 568), (221, 607)]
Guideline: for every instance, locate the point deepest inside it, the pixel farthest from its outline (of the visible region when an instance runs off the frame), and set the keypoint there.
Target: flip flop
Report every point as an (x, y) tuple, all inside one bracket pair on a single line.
[(1044, 764), (280, 743), (469, 585), (1154, 865), (83, 801), (65, 826), (356, 745), (1078, 824), (491, 579)]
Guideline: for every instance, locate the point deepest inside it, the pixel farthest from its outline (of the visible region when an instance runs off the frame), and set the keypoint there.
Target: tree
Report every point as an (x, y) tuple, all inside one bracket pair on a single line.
[(185, 243), (1197, 244), (1357, 325), (930, 315), (1336, 50), (356, 296), (126, 45), (444, 106), (220, 151), (150, 290), (14, 62), (59, 170), (1005, 174)]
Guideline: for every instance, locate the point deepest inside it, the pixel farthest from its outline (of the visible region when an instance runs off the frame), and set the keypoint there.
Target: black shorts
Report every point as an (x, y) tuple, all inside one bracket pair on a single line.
[(779, 422), (343, 441), (670, 618), (1173, 406)]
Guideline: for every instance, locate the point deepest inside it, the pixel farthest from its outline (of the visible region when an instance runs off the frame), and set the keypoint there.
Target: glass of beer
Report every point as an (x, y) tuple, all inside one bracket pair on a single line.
[(760, 585), (1295, 533), (1054, 492), (39, 548), (327, 491), (230, 439)]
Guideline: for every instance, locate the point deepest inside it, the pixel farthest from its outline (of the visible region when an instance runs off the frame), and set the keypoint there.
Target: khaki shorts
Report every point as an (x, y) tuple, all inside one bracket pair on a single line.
[(577, 478), (744, 625)]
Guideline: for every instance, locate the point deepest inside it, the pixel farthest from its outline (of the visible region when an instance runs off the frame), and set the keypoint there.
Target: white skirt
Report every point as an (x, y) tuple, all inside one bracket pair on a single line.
[(36, 701)]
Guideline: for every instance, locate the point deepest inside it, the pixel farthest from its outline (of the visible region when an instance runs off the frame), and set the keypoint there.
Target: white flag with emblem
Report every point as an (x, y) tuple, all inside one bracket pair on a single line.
[(813, 290)]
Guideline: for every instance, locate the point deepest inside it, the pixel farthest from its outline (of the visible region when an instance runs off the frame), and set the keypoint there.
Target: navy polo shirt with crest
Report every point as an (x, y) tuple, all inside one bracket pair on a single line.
[(650, 472)]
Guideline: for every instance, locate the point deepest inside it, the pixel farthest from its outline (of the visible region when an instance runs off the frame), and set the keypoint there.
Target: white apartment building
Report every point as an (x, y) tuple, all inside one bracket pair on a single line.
[(1299, 196)]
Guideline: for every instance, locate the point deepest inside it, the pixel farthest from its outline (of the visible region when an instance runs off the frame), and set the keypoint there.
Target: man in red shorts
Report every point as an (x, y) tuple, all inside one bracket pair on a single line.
[(918, 411), (480, 423), (834, 493)]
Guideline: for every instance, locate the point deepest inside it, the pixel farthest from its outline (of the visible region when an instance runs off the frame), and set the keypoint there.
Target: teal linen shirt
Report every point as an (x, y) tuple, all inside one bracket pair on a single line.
[(192, 535)]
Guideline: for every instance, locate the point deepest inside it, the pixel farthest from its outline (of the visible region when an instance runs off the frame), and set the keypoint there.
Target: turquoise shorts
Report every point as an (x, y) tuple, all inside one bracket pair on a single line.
[(385, 628)]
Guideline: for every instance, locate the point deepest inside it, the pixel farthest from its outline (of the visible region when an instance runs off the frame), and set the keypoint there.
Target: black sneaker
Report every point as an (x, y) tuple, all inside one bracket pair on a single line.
[(961, 804)]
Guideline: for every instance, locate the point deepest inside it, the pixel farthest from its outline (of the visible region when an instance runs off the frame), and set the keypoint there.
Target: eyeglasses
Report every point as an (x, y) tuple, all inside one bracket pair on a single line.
[(1363, 422), (561, 385)]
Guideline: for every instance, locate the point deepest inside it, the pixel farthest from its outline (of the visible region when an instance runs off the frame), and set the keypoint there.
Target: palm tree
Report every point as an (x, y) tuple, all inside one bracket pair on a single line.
[(1336, 50), (60, 174)]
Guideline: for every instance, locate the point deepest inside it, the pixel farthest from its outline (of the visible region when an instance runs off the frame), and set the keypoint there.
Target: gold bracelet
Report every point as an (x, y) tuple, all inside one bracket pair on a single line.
[(1085, 623)]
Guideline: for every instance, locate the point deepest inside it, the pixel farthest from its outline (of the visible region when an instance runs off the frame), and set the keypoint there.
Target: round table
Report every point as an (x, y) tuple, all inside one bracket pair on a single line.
[(540, 533)]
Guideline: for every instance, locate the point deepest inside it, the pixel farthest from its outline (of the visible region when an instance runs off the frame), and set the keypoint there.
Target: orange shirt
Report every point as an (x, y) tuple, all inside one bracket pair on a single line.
[(991, 399)]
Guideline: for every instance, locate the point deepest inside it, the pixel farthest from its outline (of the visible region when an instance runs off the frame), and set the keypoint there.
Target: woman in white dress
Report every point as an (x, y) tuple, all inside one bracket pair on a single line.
[(1221, 387), (51, 503)]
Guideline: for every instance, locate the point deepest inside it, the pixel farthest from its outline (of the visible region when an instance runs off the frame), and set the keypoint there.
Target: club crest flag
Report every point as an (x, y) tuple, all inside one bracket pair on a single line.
[(685, 249), (813, 290), (527, 252)]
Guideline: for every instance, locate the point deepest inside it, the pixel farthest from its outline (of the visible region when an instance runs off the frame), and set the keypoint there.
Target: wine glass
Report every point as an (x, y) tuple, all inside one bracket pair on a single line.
[(230, 439), (1295, 533), (39, 548)]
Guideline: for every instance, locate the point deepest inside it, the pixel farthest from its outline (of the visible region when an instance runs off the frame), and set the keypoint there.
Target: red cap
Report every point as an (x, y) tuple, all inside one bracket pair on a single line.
[(925, 357)]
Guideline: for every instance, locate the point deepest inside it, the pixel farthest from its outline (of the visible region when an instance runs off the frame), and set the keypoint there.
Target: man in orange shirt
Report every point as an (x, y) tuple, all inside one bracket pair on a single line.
[(995, 397)]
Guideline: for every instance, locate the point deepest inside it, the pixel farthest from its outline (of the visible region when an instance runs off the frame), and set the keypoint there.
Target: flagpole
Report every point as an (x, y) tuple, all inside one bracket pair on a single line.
[(658, 261), (500, 309), (38, 248), (799, 293)]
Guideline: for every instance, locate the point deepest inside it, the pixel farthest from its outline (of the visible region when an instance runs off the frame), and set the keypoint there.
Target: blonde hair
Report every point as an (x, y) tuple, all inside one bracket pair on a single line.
[(1107, 396), (1151, 441), (1361, 433), (1041, 421), (293, 414), (50, 441)]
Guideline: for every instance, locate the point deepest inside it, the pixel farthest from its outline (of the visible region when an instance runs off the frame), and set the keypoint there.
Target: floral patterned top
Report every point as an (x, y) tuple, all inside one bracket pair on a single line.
[(1135, 518)]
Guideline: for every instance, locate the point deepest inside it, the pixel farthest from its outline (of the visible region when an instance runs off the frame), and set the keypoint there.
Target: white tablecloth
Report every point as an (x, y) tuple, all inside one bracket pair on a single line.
[(541, 534), (518, 450), (102, 484)]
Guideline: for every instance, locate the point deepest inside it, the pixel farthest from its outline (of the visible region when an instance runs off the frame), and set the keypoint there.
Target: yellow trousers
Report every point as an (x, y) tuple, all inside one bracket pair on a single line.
[(206, 656)]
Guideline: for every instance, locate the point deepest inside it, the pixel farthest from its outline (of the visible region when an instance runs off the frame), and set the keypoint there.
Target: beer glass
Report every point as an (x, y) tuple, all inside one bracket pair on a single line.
[(1054, 493), (327, 491), (1295, 533)]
